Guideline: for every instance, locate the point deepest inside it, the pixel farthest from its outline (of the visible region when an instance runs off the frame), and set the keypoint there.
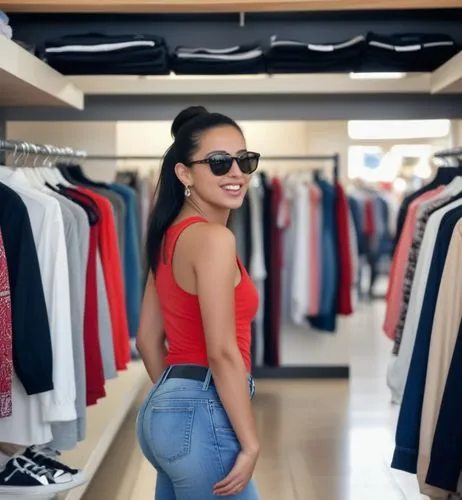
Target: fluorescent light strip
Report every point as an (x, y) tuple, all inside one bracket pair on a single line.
[(377, 76), (398, 129)]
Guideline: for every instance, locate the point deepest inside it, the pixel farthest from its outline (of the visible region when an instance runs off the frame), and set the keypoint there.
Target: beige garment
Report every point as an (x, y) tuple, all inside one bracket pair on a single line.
[(445, 329), (11, 449)]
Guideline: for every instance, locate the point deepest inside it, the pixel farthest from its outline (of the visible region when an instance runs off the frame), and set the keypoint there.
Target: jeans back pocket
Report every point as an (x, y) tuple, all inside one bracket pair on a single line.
[(171, 429), (220, 419)]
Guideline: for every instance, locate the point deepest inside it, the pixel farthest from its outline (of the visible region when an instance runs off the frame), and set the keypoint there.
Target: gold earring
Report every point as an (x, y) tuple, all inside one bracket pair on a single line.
[(187, 191)]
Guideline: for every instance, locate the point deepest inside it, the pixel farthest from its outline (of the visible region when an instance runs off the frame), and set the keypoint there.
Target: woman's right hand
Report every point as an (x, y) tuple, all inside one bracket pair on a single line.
[(239, 476)]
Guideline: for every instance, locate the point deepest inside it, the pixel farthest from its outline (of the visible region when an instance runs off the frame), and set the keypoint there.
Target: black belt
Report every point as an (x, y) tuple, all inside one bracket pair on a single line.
[(192, 372)]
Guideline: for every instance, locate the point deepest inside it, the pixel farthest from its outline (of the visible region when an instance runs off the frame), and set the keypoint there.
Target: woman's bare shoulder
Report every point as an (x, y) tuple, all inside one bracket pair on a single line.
[(211, 239)]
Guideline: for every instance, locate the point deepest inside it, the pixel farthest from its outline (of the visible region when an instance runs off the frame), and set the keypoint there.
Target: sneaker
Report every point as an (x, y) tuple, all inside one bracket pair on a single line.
[(21, 476), (46, 457)]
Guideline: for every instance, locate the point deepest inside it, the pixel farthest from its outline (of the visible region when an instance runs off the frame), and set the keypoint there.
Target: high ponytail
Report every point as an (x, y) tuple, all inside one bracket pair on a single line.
[(186, 131)]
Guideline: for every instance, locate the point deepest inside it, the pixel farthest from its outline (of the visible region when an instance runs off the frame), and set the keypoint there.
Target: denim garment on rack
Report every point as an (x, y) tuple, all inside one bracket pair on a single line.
[(326, 319), (132, 257)]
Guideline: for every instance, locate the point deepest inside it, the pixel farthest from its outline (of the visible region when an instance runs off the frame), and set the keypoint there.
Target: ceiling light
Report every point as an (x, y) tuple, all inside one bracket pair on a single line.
[(398, 129), (377, 76)]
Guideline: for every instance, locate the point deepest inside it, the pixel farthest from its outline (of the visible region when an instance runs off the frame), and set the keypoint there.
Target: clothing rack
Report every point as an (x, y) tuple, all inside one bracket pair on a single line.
[(335, 159), (46, 150), (448, 153)]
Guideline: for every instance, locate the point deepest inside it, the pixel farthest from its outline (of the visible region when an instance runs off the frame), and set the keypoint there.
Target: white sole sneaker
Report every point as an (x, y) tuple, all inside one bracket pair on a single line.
[(34, 491)]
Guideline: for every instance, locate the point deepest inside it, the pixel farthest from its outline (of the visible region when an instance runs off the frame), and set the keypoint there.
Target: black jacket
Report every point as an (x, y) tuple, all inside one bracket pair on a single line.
[(32, 349)]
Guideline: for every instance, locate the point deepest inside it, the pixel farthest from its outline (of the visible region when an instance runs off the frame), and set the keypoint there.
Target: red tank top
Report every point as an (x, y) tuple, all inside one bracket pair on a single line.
[(181, 311)]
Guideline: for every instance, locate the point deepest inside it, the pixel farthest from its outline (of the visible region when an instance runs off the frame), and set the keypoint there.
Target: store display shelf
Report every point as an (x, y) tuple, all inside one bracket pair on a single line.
[(131, 6), (25, 80), (448, 78), (251, 84), (103, 423)]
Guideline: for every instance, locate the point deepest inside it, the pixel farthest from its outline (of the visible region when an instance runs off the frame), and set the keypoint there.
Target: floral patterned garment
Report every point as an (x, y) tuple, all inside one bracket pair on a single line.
[(6, 337)]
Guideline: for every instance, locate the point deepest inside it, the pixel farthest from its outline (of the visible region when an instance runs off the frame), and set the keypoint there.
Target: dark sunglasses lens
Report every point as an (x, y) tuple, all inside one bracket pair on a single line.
[(248, 163), (220, 164)]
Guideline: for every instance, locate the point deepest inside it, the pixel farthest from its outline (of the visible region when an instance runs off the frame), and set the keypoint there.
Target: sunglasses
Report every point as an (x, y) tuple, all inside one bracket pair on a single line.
[(220, 164)]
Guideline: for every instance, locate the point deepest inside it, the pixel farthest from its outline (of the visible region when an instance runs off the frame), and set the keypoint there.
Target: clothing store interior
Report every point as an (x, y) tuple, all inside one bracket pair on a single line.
[(349, 230)]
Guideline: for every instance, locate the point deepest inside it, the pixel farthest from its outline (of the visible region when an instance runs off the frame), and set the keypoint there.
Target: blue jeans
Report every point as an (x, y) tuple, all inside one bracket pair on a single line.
[(185, 433)]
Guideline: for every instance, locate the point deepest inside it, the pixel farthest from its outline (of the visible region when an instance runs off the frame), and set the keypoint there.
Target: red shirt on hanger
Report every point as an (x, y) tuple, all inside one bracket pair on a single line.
[(344, 306), (112, 268), (94, 371)]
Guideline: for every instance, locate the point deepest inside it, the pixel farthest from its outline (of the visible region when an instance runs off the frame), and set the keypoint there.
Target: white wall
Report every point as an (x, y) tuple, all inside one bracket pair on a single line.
[(294, 138), (456, 133), (153, 138)]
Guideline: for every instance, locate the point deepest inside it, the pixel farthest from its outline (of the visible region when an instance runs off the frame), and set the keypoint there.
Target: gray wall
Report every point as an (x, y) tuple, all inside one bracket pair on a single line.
[(314, 107)]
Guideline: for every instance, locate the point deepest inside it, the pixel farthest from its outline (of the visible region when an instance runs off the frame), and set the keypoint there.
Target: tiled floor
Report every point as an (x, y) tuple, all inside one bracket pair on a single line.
[(320, 439)]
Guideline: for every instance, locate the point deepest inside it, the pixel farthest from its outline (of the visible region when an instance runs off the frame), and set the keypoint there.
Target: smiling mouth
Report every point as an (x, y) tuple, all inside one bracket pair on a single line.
[(233, 188)]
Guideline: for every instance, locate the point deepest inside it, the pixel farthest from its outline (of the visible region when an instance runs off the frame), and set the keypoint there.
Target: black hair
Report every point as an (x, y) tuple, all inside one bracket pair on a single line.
[(186, 131)]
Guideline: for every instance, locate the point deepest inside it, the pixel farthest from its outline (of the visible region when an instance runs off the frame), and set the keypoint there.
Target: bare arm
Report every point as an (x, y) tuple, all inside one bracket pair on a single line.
[(215, 267), (150, 340)]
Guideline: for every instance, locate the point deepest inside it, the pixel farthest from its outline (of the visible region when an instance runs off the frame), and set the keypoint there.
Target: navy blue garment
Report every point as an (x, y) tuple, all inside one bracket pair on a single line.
[(418, 52), (294, 56), (326, 319), (357, 215), (244, 59), (444, 176), (384, 240), (446, 455), (408, 428), (132, 257), (151, 58)]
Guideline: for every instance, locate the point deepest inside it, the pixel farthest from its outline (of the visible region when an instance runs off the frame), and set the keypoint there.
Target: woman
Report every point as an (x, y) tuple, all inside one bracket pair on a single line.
[(196, 426)]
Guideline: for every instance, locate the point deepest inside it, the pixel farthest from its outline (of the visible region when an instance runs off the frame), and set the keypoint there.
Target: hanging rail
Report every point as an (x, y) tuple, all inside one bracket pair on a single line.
[(30, 148), (446, 153), (335, 158)]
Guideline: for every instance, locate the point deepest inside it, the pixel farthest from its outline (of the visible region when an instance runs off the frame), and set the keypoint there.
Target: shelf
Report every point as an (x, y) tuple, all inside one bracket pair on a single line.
[(174, 6), (25, 80), (445, 80), (448, 78), (103, 423), (249, 85), (302, 372)]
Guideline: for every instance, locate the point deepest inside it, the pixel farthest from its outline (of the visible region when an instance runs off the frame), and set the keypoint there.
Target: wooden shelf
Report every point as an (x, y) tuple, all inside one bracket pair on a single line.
[(448, 78), (250, 85), (445, 80), (175, 6), (25, 80), (103, 423)]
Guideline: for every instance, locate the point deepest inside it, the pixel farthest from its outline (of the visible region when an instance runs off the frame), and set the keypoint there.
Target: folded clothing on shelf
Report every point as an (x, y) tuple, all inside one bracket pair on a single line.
[(292, 56), (244, 59), (408, 52), (96, 53)]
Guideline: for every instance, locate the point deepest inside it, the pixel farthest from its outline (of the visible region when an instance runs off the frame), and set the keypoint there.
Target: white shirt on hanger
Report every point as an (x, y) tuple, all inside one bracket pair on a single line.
[(300, 280), (57, 405), (257, 264)]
